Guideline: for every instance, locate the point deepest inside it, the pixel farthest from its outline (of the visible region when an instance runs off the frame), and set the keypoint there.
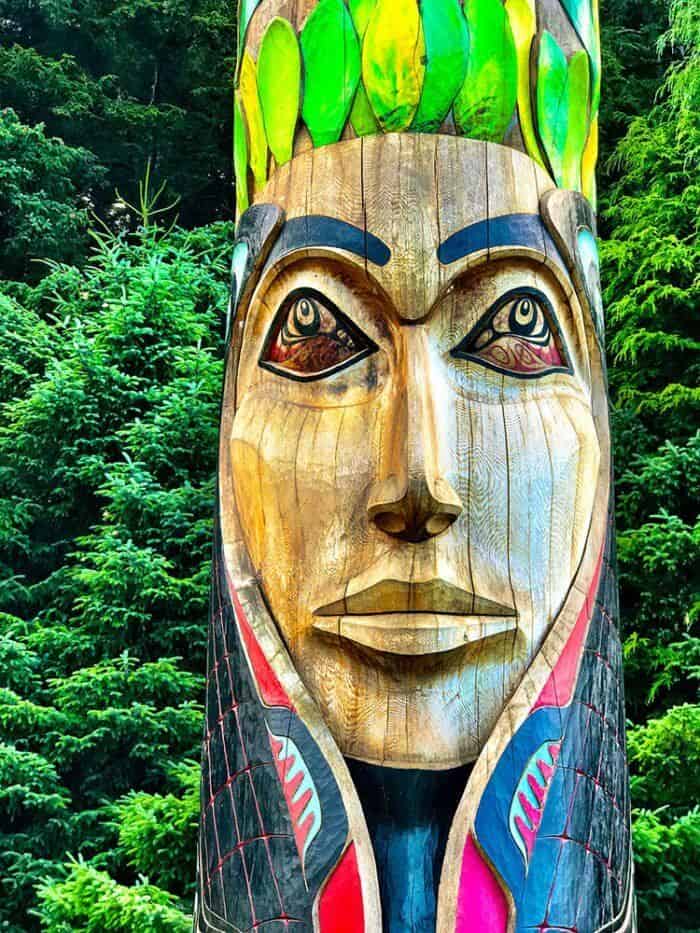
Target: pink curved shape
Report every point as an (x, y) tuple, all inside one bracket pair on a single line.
[(481, 903)]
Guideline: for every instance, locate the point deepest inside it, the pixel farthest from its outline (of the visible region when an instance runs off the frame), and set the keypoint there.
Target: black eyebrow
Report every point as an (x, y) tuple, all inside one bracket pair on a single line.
[(319, 230), (507, 230)]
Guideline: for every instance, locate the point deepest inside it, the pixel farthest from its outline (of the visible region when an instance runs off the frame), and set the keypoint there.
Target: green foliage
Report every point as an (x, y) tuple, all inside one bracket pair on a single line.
[(667, 863), (651, 257), (44, 185), (664, 756), (158, 833), (148, 79), (112, 376), (90, 901)]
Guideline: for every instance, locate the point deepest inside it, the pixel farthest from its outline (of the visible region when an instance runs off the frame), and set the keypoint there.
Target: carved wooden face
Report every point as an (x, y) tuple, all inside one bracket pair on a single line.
[(416, 447)]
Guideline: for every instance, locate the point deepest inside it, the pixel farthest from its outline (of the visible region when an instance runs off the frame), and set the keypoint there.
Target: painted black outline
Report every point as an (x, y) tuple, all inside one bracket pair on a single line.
[(516, 230), (355, 332), (319, 230), (486, 318)]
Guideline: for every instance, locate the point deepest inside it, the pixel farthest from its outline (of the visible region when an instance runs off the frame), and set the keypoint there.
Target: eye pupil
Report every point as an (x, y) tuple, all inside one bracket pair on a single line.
[(307, 317), (523, 317)]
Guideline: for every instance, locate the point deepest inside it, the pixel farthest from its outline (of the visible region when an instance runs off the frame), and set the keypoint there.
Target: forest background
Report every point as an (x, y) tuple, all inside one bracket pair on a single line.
[(110, 370)]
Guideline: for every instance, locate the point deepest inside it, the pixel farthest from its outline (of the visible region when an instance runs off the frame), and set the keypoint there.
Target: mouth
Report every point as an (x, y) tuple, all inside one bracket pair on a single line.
[(404, 618)]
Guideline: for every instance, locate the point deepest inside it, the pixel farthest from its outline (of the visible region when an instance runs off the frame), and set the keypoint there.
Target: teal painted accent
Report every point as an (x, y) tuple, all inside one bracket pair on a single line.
[(238, 263), (590, 262), (246, 8)]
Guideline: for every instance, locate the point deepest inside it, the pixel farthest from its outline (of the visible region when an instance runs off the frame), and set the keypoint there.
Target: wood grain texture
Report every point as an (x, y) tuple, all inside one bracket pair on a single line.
[(414, 569), (406, 434)]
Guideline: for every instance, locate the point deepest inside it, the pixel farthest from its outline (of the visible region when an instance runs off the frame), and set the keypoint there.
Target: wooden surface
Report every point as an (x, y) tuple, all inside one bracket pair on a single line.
[(414, 599), (415, 534), (403, 431)]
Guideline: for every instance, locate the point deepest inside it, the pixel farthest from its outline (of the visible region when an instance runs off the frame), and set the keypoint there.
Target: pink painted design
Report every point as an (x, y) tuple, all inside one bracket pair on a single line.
[(530, 795), (271, 690), (560, 685), (481, 903), (299, 791)]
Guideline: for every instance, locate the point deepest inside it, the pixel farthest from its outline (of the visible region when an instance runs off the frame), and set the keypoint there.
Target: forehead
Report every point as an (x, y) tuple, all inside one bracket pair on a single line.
[(436, 202)]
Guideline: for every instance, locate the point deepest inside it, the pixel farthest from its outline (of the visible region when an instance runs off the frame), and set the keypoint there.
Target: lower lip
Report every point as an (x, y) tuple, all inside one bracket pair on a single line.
[(415, 633)]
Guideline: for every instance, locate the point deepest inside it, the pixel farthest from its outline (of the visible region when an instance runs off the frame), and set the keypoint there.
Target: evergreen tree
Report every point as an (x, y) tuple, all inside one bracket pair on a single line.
[(147, 80), (652, 292)]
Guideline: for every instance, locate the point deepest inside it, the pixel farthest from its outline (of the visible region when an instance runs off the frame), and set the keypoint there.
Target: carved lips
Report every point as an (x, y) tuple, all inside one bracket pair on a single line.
[(400, 617)]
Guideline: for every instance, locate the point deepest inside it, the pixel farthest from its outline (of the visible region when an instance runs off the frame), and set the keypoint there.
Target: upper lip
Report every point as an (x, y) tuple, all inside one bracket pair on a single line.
[(434, 596), (414, 618)]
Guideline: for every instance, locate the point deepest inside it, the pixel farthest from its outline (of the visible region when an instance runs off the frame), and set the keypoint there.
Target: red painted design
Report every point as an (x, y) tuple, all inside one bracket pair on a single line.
[(561, 682), (271, 690), (340, 907), (538, 778), (299, 792), (481, 903)]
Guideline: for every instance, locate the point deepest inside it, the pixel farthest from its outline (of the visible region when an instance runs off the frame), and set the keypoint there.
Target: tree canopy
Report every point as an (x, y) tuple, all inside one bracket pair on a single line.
[(110, 370)]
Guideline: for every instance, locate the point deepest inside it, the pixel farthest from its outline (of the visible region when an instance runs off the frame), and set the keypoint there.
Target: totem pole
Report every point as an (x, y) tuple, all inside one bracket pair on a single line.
[(415, 717)]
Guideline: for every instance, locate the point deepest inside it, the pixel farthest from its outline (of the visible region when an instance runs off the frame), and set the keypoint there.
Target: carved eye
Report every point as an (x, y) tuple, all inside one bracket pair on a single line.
[(517, 336), (311, 338)]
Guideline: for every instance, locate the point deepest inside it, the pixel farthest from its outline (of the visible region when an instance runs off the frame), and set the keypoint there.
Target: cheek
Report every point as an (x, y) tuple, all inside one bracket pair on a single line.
[(553, 458), (301, 477)]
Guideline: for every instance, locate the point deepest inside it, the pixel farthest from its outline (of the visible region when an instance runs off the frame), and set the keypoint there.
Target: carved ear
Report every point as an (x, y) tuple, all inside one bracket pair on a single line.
[(571, 223), (256, 234)]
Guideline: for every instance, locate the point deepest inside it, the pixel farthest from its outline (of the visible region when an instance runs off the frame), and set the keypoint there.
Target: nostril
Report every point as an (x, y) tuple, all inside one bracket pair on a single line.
[(436, 524), (391, 522)]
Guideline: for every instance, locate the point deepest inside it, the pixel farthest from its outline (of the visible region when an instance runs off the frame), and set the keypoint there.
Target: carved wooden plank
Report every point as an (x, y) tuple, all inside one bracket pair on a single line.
[(414, 704)]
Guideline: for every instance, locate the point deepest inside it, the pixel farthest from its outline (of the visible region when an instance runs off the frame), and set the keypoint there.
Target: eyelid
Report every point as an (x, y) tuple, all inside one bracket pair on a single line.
[(366, 346), (465, 349)]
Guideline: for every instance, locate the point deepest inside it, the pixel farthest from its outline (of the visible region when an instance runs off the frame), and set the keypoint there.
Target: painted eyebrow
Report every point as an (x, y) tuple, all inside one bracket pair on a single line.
[(507, 230), (319, 230)]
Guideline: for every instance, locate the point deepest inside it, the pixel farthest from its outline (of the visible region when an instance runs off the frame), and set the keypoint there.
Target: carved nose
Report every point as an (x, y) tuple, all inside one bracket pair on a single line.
[(411, 499), (415, 513)]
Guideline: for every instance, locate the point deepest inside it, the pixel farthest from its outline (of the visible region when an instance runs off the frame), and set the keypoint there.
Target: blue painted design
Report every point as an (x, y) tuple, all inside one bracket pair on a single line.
[(526, 230), (493, 816), (409, 813), (578, 875), (319, 230), (326, 840)]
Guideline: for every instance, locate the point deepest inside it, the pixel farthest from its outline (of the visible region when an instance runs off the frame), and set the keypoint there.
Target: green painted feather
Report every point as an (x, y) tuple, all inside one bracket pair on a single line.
[(485, 103), (331, 54), (393, 62), (579, 89), (446, 52), (279, 86), (584, 18), (563, 91), (240, 156), (361, 11), (523, 22), (250, 101), (552, 105), (362, 118)]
